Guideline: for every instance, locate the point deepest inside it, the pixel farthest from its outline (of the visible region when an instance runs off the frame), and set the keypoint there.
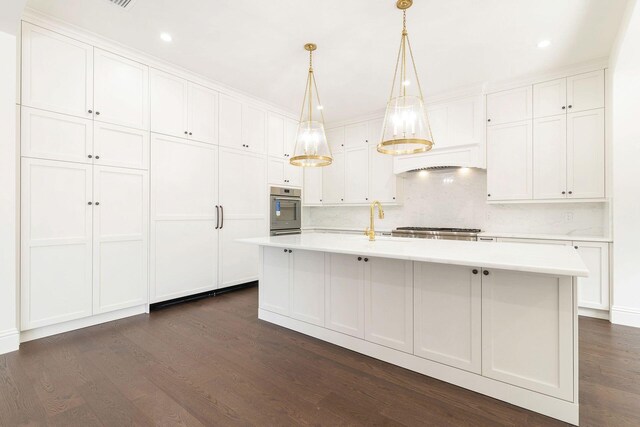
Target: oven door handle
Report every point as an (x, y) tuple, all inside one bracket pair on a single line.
[(281, 233), (294, 199)]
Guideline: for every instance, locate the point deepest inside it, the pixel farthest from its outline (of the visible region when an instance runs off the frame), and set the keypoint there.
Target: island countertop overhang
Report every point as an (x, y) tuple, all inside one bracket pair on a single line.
[(533, 258)]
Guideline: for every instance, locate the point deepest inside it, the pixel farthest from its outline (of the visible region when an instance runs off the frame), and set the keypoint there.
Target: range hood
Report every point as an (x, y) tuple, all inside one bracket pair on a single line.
[(461, 156)]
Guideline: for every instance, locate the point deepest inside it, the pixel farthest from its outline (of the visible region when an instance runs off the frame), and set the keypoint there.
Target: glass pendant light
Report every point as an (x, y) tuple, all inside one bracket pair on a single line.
[(406, 128), (312, 149)]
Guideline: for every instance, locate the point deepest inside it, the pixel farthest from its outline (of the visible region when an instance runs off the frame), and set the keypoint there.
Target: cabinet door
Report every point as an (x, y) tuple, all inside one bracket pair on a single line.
[(254, 128), (307, 286), (120, 238), (293, 174), (333, 180), (55, 242), (54, 136), (276, 171), (356, 135), (290, 135), (57, 72), (184, 240), (344, 298), (528, 344), (585, 91), (447, 307), (550, 98), (230, 122), (593, 291), (509, 161), (356, 180), (509, 106), (120, 146), (275, 135), (168, 104), (585, 154), (121, 90), (243, 197), (312, 190), (335, 138), (550, 157), (202, 114), (382, 181), (274, 289), (388, 303)]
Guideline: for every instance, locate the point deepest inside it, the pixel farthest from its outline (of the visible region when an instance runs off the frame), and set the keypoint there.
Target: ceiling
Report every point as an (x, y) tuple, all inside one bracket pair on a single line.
[(256, 45)]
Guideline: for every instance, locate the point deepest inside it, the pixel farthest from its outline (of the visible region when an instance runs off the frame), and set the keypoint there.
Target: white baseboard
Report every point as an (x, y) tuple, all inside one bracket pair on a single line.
[(593, 312), (9, 341), (625, 316), (46, 331)]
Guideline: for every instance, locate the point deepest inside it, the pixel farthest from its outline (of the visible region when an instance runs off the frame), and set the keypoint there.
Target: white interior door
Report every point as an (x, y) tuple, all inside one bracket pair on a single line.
[(120, 238), (121, 90), (356, 175), (307, 286), (447, 307), (344, 296), (54, 136), (254, 128), (509, 106), (56, 242), (243, 198), (168, 104), (550, 157), (593, 291), (120, 146), (333, 180), (230, 122), (202, 114), (388, 303), (57, 72), (585, 91), (312, 190), (510, 161), (550, 98), (586, 154), (274, 284), (184, 240)]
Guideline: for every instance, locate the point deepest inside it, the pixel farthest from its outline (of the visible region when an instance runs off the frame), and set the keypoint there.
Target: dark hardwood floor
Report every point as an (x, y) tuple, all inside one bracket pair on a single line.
[(211, 362)]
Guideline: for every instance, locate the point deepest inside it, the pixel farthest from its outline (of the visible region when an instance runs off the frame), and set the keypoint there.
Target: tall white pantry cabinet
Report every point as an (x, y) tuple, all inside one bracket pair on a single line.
[(131, 192)]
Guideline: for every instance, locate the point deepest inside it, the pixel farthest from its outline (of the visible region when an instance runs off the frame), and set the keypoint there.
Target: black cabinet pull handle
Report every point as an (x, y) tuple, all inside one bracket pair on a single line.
[(217, 218), (221, 217), (475, 271), (359, 258), (485, 272), (366, 260)]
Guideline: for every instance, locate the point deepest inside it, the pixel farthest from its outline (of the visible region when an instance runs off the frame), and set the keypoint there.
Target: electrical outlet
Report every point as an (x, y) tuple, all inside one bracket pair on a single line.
[(568, 216)]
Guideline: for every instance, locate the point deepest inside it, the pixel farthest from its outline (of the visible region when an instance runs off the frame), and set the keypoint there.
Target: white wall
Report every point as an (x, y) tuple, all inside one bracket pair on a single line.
[(9, 337), (458, 199), (625, 68)]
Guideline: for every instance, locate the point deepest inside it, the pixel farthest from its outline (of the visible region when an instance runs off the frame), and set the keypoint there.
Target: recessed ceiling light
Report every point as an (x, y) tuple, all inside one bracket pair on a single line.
[(544, 43), (166, 37)]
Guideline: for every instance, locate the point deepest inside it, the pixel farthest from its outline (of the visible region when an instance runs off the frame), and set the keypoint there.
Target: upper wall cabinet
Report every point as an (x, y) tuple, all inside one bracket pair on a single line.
[(585, 91), (509, 106), (121, 90), (57, 72), (550, 98), (242, 126), (254, 128), (184, 109)]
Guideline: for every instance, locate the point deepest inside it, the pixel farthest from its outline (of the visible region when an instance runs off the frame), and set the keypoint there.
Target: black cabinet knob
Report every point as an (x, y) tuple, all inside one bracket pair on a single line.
[(488, 195), (575, 247), (97, 157), (90, 203), (570, 106), (564, 192), (97, 203), (475, 271), (320, 199), (97, 113), (366, 198), (366, 260), (186, 133), (485, 272), (342, 200), (285, 251), (90, 111), (563, 107), (359, 258), (290, 251), (488, 120), (89, 156), (570, 192), (394, 198), (190, 133)]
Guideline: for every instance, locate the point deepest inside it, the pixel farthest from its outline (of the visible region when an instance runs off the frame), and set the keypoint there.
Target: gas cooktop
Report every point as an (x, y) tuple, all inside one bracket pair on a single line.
[(443, 233)]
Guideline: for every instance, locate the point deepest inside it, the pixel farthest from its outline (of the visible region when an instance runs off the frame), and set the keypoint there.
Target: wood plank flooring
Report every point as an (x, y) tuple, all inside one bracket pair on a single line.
[(212, 362)]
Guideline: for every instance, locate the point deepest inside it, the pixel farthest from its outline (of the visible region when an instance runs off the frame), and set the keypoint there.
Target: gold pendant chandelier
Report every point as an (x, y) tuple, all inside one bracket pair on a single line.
[(312, 149), (406, 128)]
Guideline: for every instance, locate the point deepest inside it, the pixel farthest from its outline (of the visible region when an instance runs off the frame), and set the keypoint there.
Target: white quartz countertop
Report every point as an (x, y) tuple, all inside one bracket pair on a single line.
[(535, 258), (570, 237)]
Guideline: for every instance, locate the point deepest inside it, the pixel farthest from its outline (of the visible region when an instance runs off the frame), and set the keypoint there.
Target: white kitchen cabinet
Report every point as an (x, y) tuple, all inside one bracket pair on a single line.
[(230, 116), (344, 297), (307, 288), (293, 174), (57, 72), (290, 136), (585, 91), (120, 146), (383, 183), (356, 135), (56, 247), (121, 90), (447, 306), (243, 195), (527, 331), (586, 155), (550, 98), (388, 303), (312, 194), (333, 176), (254, 128), (55, 136), (356, 174), (202, 114), (275, 287), (169, 96), (534, 241), (281, 172), (509, 161), (335, 139), (275, 135), (120, 238), (184, 239), (593, 291), (550, 157), (509, 106)]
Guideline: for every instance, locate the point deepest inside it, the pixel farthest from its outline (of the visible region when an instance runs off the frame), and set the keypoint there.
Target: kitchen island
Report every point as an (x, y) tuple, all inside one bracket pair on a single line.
[(498, 319)]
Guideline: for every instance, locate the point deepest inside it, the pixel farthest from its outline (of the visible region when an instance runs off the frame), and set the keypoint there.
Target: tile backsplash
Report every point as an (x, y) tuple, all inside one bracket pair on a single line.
[(457, 198)]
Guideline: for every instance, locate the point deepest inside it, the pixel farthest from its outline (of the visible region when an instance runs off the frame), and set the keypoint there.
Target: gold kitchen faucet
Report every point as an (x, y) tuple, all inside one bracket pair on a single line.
[(371, 232)]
